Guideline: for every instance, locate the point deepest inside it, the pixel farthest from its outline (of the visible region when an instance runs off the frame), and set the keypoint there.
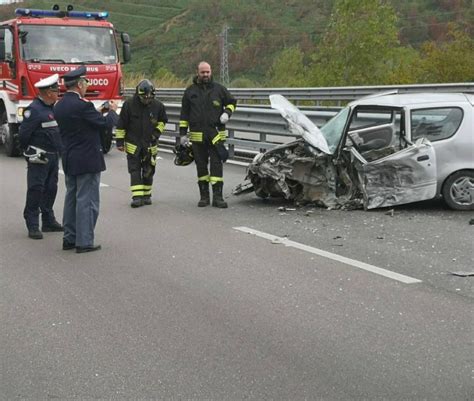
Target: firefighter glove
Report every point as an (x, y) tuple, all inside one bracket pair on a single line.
[(224, 118), (184, 140)]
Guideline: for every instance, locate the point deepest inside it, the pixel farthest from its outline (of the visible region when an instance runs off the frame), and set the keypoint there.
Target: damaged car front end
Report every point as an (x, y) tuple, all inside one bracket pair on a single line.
[(363, 157)]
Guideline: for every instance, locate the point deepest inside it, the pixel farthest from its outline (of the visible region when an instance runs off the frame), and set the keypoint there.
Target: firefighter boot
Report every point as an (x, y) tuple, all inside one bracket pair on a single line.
[(217, 199), (204, 191), (137, 201)]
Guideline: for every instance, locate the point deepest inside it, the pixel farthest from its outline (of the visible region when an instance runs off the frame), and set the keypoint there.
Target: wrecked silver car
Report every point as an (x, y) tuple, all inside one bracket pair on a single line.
[(380, 151)]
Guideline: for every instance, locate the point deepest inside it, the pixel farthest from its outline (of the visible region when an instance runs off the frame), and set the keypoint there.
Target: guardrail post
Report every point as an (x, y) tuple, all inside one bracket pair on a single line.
[(231, 146), (263, 139)]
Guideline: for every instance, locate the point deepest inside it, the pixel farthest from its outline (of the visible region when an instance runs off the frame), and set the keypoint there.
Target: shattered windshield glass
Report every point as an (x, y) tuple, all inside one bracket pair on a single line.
[(71, 44), (334, 129)]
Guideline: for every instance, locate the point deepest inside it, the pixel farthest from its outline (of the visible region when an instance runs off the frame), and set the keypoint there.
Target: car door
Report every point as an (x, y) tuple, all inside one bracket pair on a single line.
[(391, 170), (406, 176)]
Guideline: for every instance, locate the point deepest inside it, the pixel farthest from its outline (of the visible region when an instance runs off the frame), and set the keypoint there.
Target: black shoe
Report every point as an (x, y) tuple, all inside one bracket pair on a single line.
[(52, 227), (68, 245), (35, 234), (147, 201), (84, 249), (136, 202)]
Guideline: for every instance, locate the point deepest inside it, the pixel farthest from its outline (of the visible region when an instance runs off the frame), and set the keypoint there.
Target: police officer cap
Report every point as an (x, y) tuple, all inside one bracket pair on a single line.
[(49, 82), (75, 75)]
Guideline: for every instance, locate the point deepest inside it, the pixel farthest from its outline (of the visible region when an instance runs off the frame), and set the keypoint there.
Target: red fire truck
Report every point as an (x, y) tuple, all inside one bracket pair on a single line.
[(39, 43)]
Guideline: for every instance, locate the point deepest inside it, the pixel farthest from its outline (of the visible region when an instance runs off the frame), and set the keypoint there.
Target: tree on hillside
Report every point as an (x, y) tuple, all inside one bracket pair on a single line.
[(358, 45), (288, 69), (450, 61)]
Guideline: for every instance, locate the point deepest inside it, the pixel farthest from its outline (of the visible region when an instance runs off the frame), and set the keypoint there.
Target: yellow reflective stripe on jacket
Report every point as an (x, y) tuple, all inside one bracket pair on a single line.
[(183, 124), (153, 150), (231, 107), (130, 148), (221, 136), (160, 126), (195, 136), (119, 133), (213, 179), (204, 178)]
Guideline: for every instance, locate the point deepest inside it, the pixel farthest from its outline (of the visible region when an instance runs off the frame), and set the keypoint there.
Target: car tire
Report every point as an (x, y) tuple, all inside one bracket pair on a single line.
[(10, 136), (458, 190)]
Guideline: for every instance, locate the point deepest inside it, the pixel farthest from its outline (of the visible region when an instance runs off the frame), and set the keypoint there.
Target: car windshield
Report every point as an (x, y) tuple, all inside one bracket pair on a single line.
[(71, 44), (334, 129)]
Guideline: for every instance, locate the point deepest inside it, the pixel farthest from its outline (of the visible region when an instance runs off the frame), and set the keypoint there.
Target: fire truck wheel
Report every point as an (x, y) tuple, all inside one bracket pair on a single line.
[(10, 137)]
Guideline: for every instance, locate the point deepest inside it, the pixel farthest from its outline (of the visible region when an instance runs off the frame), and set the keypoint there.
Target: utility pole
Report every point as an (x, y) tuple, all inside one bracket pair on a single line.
[(224, 47)]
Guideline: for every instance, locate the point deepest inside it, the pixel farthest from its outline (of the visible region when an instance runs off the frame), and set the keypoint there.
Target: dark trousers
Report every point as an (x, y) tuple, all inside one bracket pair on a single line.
[(141, 168), (42, 183), (204, 154)]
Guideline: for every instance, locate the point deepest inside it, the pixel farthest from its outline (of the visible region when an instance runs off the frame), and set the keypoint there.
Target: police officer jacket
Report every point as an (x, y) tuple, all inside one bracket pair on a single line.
[(140, 124), (81, 127), (202, 105), (39, 128)]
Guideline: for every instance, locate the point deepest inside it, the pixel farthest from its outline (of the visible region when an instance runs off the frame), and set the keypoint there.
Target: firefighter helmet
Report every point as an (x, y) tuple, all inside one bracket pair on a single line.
[(184, 155), (145, 90)]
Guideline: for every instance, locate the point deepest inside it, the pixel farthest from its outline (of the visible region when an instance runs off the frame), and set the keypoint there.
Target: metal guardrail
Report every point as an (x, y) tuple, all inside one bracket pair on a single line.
[(318, 95), (251, 129), (255, 128)]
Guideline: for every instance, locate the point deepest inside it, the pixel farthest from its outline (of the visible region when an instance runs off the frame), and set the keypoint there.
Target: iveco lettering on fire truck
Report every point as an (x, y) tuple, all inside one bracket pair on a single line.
[(38, 43)]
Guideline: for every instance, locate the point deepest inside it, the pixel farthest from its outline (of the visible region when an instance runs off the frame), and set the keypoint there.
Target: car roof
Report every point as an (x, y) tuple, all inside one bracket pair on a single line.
[(414, 99)]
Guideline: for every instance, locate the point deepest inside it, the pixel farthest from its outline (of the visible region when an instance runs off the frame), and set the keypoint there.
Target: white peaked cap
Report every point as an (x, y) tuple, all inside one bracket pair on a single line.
[(47, 82)]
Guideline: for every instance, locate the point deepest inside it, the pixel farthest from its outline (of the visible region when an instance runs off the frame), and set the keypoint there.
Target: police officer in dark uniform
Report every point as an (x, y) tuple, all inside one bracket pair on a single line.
[(81, 127), (40, 139), (142, 121), (206, 108)]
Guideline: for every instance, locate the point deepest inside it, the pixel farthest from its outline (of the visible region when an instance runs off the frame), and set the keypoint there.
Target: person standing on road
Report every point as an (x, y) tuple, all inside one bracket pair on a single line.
[(142, 121), (81, 127), (205, 109), (41, 142)]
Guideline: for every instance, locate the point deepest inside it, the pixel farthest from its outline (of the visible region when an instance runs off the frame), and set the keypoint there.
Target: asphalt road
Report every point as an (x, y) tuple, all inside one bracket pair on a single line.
[(183, 303)]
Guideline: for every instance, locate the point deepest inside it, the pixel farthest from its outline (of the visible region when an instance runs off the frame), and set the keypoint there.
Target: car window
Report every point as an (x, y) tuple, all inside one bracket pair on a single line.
[(373, 129), (435, 124)]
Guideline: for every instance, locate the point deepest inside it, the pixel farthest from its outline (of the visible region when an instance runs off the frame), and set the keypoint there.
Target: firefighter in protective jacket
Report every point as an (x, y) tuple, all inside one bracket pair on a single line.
[(142, 121), (206, 108)]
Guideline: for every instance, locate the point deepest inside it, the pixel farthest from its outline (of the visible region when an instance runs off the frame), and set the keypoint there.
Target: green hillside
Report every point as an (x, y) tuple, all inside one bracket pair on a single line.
[(170, 36)]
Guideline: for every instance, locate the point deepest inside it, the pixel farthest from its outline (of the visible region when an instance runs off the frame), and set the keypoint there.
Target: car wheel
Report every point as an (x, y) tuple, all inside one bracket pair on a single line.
[(458, 190), (9, 133)]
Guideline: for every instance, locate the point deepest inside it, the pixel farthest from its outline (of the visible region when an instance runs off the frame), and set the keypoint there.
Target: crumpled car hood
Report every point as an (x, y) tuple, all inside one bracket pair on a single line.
[(299, 124)]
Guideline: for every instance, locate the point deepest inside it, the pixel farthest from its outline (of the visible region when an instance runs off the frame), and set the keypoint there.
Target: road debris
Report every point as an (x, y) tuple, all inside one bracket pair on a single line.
[(462, 274)]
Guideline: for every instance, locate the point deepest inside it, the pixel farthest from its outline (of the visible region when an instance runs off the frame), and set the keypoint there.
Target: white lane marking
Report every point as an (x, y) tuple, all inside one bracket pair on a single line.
[(351, 262), (101, 184)]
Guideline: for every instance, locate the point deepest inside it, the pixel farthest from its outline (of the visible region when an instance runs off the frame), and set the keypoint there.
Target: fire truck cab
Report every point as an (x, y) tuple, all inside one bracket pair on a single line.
[(39, 43)]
